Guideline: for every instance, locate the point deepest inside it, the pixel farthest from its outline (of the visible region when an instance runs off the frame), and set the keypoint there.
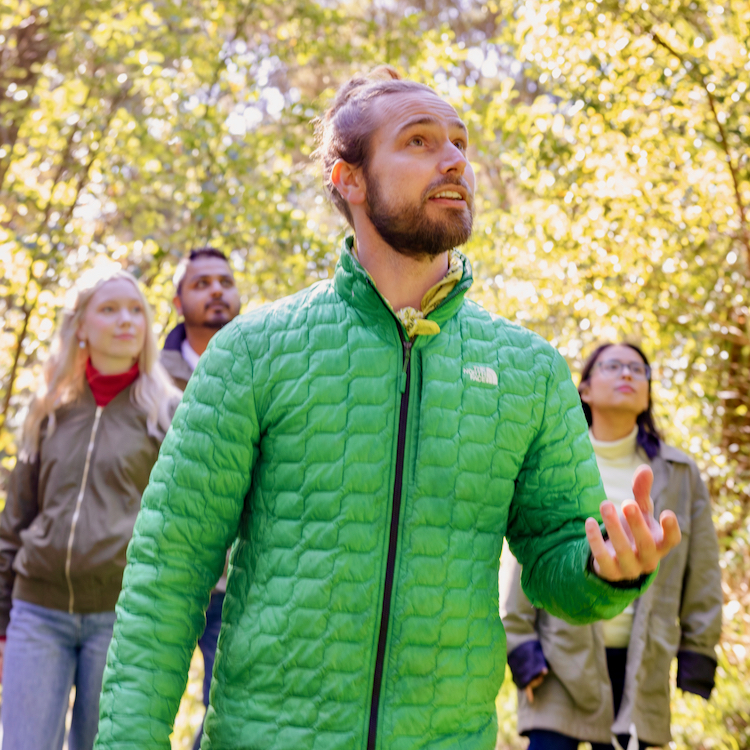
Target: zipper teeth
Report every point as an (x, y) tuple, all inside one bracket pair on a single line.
[(77, 511), (392, 544)]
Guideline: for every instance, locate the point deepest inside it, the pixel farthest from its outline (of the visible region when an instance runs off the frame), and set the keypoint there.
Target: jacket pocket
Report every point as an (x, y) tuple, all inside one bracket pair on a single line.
[(572, 653), (41, 555), (662, 642)]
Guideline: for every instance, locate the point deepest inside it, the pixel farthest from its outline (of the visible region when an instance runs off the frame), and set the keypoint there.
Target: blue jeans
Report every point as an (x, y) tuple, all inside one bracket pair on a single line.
[(47, 652), (207, 644)]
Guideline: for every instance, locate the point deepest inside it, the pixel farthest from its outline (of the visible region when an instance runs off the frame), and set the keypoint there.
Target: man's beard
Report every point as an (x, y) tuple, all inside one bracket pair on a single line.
[(410, 231), (197, 322), (214, 325)]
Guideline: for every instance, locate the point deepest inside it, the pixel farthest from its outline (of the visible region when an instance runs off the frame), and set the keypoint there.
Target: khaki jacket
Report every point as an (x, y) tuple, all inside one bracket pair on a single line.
[(69, 514), (679, 615)]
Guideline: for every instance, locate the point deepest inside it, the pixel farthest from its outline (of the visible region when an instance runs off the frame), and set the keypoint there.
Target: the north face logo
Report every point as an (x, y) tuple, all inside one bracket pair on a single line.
[(481, 375)]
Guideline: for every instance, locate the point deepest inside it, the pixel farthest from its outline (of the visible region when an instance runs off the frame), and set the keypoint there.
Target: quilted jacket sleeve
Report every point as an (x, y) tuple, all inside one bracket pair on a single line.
[(21, 508), (189, 516), (558, 487)]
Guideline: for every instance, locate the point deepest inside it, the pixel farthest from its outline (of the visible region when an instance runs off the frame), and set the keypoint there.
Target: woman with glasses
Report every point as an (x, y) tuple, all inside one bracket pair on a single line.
[(608, 683)]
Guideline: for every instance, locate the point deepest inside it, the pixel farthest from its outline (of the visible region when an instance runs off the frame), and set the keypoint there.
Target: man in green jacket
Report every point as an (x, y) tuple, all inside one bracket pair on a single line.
[(369, 442)]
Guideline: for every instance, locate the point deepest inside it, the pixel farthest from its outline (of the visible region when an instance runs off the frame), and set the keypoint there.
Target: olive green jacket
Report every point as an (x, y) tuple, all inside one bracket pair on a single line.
[(69, 514)]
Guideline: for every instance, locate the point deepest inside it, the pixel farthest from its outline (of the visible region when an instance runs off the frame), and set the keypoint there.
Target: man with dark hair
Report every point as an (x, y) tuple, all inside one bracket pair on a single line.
[(370, 441), (207, 298)]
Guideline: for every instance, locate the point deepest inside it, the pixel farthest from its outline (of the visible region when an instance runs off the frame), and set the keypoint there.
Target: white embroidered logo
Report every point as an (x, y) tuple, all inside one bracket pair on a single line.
[(481, 374)]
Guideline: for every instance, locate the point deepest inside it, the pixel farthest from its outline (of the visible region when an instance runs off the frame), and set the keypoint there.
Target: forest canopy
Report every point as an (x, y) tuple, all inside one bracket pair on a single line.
[(611, 141)]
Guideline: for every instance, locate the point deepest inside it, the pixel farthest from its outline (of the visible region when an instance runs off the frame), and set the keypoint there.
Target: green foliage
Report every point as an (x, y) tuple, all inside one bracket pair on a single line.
[(610, 140), (723, 723)]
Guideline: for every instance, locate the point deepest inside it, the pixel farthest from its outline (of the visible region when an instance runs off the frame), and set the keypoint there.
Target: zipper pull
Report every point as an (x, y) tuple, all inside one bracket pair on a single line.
[(407, 357)]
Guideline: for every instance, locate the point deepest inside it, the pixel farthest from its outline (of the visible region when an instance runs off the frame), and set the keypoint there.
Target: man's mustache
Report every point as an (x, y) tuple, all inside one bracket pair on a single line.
[(216, 302), (447, 181)]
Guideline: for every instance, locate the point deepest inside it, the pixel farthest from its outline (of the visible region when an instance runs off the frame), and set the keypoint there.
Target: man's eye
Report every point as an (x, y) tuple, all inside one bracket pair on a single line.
[(108, 308), (417, 141), (227, 283), (200, 285), (460, 145)]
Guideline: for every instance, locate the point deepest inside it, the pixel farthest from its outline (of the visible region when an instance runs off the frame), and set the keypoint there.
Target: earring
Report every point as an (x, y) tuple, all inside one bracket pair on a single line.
[(82, 343)]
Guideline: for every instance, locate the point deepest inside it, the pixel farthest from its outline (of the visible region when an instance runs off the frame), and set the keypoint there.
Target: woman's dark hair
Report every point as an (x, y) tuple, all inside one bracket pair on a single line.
[(648, 437)]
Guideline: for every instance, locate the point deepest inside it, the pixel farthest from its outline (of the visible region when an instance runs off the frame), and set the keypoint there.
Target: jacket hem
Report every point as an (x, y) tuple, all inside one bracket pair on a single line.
[(46, 594)]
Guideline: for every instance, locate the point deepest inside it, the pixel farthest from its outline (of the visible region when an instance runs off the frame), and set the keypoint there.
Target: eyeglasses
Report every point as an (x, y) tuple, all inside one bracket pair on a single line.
[(611, 368)]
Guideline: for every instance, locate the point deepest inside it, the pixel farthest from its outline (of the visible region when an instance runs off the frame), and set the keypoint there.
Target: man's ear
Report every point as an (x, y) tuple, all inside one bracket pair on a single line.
[(177, 304), (349, 181)]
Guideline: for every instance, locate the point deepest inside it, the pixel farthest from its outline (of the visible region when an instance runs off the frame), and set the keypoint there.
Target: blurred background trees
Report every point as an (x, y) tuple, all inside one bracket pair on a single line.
[(611, 141)]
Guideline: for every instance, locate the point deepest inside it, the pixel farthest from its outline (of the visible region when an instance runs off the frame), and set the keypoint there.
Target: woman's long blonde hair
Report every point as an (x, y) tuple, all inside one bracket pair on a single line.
[(64, 371)]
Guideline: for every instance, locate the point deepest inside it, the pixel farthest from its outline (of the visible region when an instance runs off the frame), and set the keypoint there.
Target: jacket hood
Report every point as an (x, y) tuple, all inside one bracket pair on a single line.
[(356, 286)]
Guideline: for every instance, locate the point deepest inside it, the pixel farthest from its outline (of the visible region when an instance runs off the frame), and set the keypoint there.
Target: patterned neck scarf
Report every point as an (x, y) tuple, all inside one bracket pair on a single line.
[(414, 321)]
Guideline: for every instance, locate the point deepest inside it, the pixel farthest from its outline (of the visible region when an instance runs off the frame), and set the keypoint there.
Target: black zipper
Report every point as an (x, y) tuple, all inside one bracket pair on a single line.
[(392, 543)]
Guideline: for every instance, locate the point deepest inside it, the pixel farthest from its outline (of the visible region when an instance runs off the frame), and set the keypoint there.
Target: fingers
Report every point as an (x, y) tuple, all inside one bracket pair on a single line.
[(627, 546), (671, 534), (631, 548), (605, 564), (643, 478), (646, 536), (535, 683), (636, 542)]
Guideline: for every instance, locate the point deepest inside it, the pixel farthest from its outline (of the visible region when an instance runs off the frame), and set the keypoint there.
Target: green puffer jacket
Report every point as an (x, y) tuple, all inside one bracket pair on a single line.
[(369, 483)]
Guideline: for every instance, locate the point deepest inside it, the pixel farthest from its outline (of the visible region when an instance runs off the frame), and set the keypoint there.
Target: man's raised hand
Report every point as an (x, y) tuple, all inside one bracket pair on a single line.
[(637, 542)]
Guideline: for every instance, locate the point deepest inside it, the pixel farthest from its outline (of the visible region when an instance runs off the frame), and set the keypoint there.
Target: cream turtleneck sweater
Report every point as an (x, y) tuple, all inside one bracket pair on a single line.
[(617, 461)]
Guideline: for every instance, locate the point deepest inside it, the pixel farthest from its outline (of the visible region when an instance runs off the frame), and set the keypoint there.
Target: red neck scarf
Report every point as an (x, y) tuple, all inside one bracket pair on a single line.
[(106, 387)]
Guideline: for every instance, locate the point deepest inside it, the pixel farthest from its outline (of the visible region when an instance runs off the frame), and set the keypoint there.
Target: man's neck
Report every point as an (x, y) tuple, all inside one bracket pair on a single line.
[(198, 337), (611, 426), (401, 279)]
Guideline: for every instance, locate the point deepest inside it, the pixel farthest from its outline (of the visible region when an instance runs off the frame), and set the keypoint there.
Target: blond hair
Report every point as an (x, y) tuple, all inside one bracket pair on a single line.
[(65, 367)]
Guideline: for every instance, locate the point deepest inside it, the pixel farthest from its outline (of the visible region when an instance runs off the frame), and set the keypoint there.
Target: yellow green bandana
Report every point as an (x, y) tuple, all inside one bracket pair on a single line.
[(414, 320)]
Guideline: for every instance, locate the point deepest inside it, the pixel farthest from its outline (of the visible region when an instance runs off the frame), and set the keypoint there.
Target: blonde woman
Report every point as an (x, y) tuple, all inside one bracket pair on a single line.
[(89, 442)]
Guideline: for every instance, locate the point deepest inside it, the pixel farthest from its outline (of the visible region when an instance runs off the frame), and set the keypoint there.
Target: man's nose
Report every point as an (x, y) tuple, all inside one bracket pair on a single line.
[(216, 289), (454, 159)]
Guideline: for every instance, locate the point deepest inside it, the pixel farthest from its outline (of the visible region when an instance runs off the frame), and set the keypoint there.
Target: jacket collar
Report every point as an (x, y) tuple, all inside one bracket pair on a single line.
[(668, 453), (175, 365), (356, 287), (175, 338), (88, 401)]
